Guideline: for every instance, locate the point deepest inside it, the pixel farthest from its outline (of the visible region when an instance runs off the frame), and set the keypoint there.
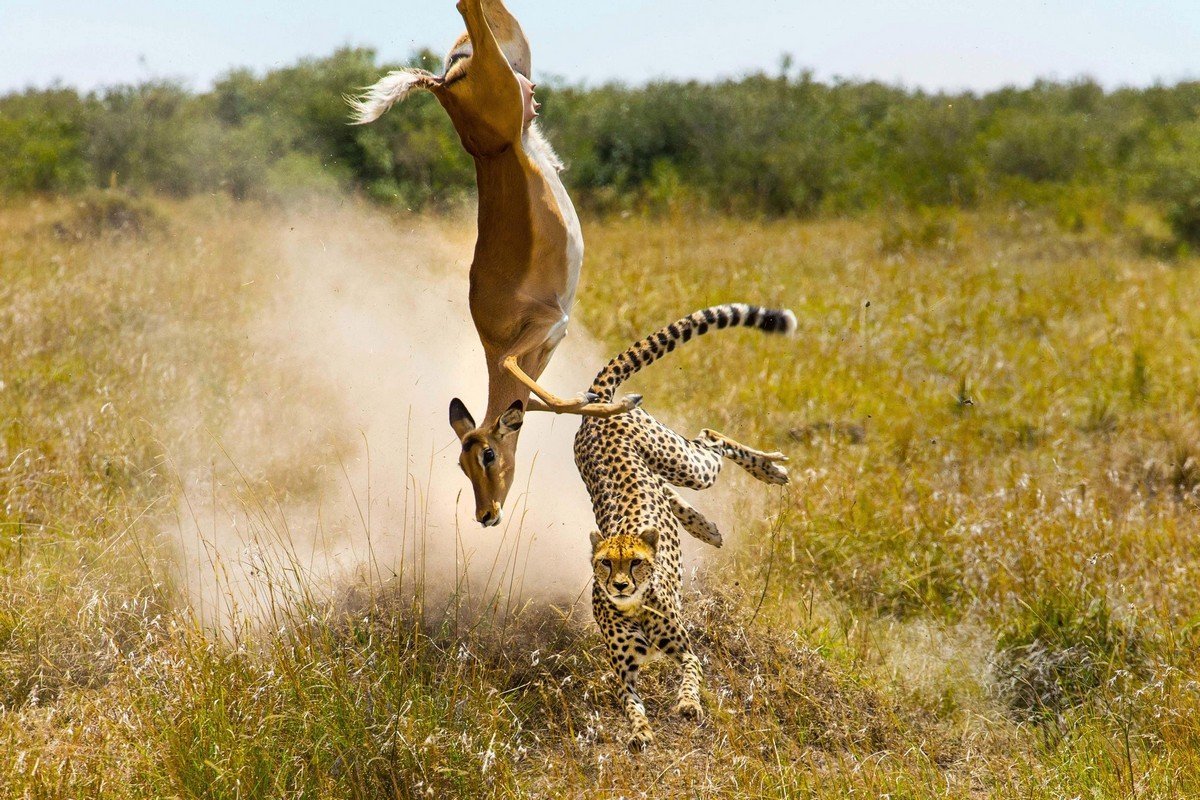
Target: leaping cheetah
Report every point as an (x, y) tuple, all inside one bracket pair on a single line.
[(628, 464)]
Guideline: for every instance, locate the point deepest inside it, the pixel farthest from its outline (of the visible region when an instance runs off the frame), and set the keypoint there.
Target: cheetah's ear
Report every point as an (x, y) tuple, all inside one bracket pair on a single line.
[(596, 540), (511, 420), (650, 537)]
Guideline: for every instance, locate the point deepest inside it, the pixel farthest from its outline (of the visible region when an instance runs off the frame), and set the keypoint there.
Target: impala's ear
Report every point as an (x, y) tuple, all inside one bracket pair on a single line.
[(650, 537), (511, 420), (596, 540), (460, 419)]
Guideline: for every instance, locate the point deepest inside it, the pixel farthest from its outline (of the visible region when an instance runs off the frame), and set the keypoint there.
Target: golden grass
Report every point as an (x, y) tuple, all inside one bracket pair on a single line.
[(983, 582)]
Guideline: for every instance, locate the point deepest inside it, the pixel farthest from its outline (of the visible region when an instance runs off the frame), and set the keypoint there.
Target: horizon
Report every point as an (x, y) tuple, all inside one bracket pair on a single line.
[(931, 45)]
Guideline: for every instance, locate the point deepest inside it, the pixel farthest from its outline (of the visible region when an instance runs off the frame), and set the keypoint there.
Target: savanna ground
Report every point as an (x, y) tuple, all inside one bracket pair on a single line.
[(982, 583)]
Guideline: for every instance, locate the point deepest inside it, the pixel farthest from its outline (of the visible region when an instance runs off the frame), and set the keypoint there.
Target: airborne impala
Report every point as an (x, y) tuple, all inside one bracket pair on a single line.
[(530, 247)]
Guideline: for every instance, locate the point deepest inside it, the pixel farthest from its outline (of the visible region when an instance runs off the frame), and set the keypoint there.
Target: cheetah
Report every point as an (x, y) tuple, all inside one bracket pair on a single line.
[(630, 464)]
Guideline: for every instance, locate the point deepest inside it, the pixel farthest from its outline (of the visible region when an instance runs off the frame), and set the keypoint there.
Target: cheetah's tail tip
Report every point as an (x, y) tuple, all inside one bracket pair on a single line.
[(781, 321), (789, 322)]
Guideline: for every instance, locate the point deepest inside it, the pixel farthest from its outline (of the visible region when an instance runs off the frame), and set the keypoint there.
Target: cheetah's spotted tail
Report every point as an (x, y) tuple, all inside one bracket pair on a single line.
[(657, 345)]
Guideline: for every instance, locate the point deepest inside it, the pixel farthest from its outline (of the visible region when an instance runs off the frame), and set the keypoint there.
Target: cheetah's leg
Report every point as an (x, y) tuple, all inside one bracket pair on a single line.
[(672, 640), (626, 650), (764, 466), (694, 464), (689, 687), (640, 735), (692, 520)]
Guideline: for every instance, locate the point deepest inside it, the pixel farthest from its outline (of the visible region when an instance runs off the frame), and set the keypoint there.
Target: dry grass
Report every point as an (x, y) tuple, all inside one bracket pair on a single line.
[(984, 581)]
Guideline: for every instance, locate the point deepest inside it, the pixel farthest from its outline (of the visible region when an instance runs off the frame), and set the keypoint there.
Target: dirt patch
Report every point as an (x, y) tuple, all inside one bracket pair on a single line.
[(337, 462)]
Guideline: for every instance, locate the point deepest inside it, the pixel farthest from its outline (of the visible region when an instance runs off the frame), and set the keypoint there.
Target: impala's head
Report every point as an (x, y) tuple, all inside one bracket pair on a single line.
[(488, 457), (623, 565), (486, 101)]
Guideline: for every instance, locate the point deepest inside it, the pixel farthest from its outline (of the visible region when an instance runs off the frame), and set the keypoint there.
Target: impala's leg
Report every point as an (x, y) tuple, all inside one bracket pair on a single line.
[(533, 404), (543, 334), (583, 404)]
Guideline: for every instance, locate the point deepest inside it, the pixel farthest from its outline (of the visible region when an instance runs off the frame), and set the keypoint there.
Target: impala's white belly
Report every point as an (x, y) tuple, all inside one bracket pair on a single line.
[(542, 155)]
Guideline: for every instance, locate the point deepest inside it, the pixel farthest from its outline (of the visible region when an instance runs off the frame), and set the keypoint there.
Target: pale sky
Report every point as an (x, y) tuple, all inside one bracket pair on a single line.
[(928, 43)]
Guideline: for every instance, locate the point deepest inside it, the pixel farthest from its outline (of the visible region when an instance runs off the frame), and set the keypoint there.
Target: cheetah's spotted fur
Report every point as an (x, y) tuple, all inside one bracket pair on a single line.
[(629, 464)]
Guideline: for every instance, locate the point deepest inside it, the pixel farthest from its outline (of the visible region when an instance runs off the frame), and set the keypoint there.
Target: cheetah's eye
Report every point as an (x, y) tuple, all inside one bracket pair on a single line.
[(635, 563), (604, 562), (489, 456)]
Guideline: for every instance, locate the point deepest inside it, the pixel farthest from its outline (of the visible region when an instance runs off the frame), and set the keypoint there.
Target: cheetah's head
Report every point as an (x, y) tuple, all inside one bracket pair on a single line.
[(623, 565)]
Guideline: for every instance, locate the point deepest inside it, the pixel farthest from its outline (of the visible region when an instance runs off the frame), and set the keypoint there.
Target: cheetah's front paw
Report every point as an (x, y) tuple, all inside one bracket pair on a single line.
[(689, 708), (640, 740)]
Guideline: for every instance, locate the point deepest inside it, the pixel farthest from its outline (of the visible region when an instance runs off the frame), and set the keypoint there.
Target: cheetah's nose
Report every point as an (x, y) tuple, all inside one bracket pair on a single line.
[(620, 586)]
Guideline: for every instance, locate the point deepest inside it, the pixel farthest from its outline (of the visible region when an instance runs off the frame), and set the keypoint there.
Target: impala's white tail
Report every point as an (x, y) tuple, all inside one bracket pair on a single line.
[(386, 92)]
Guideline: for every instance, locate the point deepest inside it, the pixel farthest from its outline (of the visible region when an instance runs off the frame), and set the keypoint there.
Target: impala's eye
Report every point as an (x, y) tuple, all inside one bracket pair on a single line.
[(489, 456)]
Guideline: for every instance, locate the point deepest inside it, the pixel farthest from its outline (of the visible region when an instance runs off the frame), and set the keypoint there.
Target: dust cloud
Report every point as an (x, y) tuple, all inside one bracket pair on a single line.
[(337, 464)]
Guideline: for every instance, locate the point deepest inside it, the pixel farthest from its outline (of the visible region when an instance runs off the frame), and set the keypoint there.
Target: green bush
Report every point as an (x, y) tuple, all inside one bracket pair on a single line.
[(42, 142), (1039, 147), (775, 145), (1175, 179)]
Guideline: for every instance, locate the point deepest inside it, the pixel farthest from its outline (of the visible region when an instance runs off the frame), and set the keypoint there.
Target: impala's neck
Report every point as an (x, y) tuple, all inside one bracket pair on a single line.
[(503, 391)]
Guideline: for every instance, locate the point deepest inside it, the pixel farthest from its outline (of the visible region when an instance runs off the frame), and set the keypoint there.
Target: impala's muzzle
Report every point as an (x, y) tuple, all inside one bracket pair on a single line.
[(490, 517)]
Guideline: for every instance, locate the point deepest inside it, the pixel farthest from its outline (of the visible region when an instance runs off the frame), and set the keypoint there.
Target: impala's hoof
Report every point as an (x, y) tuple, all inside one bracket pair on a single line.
[(631, 401), (591, 397)]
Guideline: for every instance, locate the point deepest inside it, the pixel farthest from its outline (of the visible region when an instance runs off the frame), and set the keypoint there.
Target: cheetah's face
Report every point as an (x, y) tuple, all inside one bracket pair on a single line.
[(624, 566)]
